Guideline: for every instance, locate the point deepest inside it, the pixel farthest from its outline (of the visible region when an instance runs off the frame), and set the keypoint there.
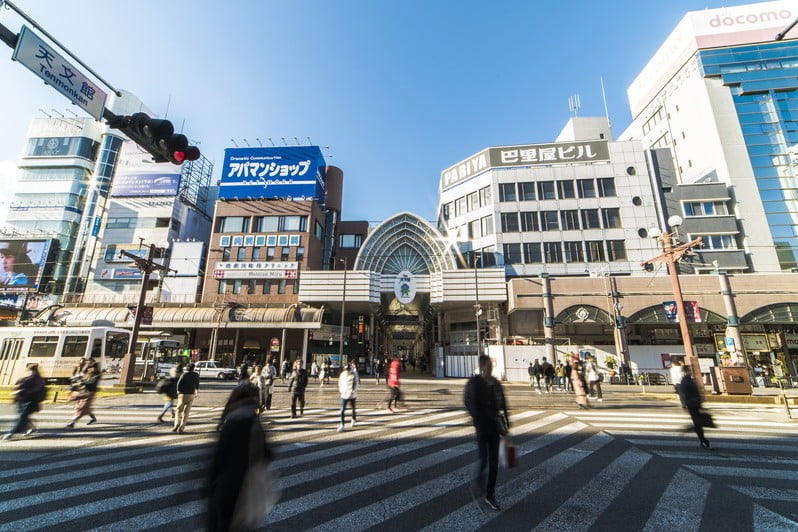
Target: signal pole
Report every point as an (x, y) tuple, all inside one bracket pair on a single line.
[(147, 266)]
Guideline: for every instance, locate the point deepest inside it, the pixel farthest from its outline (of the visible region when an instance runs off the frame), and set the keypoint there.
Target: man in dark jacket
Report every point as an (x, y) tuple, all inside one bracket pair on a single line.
[(297, 383), (547, 372), (187, 391), (484, 400), (29, 391), (691, 399)]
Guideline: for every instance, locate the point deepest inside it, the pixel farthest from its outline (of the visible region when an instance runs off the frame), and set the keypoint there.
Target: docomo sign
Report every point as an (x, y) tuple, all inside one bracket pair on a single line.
[(784, 15)]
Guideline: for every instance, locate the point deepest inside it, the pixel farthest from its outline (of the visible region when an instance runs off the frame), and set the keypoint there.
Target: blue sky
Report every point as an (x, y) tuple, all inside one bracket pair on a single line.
[(398, 90)]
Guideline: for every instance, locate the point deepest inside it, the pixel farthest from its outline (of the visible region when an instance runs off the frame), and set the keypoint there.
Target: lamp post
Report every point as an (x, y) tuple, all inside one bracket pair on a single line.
[(671, 257), (477, 306), (343, 309), (147, 266)]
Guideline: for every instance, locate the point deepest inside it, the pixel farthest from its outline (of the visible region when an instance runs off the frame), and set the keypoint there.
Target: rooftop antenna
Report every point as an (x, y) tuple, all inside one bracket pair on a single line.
[(247, 143), (73, 113), (284, 142), (310, 142), (297, 141), (234, 142), (604, 98), (44, 113), (574, 104), (259, 142), (168, 102), (56, 112), (270, 140)]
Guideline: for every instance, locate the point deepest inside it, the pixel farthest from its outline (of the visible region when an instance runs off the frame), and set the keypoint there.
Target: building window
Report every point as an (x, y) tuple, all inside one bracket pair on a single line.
[(234, 224), (532, 254), (318, 231), (293, 223), (251, 286), (546, 190), (486, 222), (509, 222), (611, 218), (529, 221), (281, 284), (595, 250), (459, 206), (606, 187), (300, 253), (705, 208), (717, 241), (255, 253), (549, 221), (573, 252), (348, 241), (569, 219), (586, 187), (267, 287), (269, 253), (472, 201), (512, 254), (445, 211), (590, 219), (474, 229), (162, 222), (267, 224), (222, 288), (616, 250), (507, 192), (285, 253), (484, 196), (241, 254), (295, 287), (237, 286), (552, 252), (526, 191), (565, 189), (226, 253)]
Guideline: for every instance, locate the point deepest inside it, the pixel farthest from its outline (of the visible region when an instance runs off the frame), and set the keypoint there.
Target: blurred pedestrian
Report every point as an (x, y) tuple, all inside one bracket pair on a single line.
[(348, 383), (297, 383), (29, 392), (379, 367), (314, 371), (394, 393), (547, 373), (676, 379), (84, 387), (484, 399), (691, 397), (168, 388), (266, 385), (187, 390), (593, 377), (284, 369), (243, 373), (537, 374), (579, 384), (568, 369), (241, 490)]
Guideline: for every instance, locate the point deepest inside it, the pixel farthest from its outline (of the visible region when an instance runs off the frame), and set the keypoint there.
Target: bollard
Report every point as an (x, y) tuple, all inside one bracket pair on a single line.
[(55, 397)]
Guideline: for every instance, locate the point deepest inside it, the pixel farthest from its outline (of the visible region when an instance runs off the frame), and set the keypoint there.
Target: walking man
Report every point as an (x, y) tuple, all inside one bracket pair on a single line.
[(691, 398), (187, 391), (547, 372), (297, 383), (484, 399), (347, 386), (537, 373), (28, 393)]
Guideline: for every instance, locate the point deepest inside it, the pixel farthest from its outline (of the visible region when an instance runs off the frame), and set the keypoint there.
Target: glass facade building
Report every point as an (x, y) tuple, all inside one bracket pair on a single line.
[(763, 80)]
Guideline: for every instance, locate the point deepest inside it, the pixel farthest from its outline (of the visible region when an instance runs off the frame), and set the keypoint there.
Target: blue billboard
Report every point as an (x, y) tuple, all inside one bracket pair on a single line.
[(145, 184), (288, 172)]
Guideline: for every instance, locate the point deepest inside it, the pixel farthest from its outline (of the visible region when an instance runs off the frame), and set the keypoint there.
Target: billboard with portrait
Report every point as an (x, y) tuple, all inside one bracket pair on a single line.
[(22, 263), (285, 172)]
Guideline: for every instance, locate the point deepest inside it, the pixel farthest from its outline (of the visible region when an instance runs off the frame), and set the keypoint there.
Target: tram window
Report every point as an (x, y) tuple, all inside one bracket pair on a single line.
[(97, 348), (75, 346), (43, 346), (116, 344)]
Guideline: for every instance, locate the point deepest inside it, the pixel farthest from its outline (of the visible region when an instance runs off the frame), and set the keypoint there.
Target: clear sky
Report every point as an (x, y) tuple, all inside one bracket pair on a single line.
[(398, 90)]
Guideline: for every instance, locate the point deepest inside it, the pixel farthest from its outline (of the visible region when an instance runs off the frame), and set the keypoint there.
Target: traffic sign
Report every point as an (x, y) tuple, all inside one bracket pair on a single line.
[(42, 59), (729, 342)]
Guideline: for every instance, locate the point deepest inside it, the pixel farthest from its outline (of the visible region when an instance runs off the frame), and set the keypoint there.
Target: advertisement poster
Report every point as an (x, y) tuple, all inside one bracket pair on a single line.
[(22, 264)]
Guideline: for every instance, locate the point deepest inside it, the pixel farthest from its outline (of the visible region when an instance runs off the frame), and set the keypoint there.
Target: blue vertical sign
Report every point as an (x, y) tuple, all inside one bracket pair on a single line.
[(95, 228)]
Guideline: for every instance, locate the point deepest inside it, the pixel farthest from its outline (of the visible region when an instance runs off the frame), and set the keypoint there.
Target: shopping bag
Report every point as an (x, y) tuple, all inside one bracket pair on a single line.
[(507, 455)]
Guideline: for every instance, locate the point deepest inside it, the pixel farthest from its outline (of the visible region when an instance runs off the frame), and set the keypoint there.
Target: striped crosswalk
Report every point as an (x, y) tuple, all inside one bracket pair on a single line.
[(607, 468)]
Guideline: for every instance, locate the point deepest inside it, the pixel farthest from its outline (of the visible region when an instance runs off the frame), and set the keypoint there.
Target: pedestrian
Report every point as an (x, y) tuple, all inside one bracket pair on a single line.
[(314, 371), (531, 371), (29, 392), (593, 377), (240, 487), (559, 373), (297, 383), (284, 368), (379, 367), (568, 370), (676, 379), (84, 387), (348, 383), (243, 373), (322, 374), (187, 390), (484, 399), (691, 397), (168, 388), (547, 374), (537, 373), (266, 384), (394, 393), (579, 384)]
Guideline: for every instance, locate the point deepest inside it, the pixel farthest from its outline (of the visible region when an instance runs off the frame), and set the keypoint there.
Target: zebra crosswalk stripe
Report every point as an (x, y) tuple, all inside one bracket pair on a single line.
[(681, 506)]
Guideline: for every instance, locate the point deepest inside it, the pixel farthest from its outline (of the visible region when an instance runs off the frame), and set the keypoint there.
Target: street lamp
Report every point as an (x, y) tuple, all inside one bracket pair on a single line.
[(671, 258), (343, 309), (147, 266)]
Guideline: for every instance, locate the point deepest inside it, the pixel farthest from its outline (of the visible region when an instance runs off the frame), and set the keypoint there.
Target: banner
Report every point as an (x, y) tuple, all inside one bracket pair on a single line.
[(22, 264), (691, 308)]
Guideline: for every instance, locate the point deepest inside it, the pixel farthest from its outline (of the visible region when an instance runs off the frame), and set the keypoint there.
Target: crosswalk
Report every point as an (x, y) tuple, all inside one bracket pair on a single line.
[(611, 468)]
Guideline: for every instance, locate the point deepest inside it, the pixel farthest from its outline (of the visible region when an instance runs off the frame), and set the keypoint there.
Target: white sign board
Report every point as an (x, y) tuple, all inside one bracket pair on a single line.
[(45, 62)]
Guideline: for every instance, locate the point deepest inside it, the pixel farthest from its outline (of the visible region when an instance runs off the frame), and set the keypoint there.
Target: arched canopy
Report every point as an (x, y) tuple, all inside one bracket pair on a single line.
[(655, 315), (405, 242), (582, 314), (776, 313)]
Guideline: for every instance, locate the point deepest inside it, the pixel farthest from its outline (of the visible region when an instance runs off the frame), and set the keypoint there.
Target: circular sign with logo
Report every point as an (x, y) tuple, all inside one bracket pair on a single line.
[(275, 344), (404, 287)]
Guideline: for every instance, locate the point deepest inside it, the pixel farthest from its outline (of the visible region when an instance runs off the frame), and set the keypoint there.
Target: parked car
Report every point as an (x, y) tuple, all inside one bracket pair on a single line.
[(210, 369)]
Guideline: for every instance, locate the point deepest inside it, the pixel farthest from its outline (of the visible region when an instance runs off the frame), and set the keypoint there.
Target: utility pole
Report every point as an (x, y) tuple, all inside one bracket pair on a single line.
[(671, 258), (147, 266), (343, 310), (477, 306)]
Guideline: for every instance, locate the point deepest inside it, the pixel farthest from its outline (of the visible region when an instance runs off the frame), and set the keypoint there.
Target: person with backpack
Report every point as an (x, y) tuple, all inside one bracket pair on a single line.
[(537, 373), (168, 388), (29, 392), (297, 383), (484, 400), (348, 383)]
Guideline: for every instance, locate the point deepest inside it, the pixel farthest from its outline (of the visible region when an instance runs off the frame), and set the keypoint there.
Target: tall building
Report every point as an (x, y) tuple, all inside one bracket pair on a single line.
[(721, 95)]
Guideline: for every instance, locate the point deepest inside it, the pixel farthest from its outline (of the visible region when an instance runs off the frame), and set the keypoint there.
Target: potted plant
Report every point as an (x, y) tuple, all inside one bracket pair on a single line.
[(611, 364)]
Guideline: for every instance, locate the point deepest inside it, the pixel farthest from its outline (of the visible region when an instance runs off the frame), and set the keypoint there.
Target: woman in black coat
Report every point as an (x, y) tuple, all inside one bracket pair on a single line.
[(691, 399)]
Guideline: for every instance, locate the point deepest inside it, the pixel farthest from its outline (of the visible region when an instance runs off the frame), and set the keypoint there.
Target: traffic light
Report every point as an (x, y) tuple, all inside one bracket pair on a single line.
[(157, 137)]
